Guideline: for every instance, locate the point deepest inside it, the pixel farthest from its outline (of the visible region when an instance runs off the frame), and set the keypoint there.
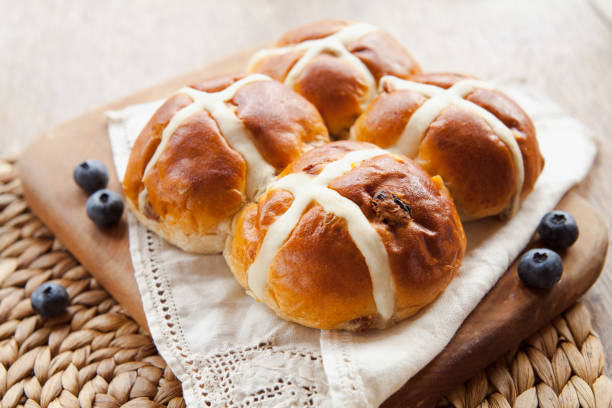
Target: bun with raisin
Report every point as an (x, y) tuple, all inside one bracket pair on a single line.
[(349, 237)]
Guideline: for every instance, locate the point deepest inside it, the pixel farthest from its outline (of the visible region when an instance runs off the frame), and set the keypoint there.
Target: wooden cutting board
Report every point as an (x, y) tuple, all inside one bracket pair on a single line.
[(508, 314)]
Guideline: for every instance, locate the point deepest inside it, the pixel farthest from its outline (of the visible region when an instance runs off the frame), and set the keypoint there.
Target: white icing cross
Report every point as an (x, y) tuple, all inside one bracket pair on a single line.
[(259, 172), (334, 44), (439, 98), (306, 189)]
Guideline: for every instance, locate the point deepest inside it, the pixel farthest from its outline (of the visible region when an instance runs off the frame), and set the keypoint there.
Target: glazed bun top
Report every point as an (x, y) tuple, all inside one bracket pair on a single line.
[(349, 236), (478, 139), (335, 64), (212, 146)]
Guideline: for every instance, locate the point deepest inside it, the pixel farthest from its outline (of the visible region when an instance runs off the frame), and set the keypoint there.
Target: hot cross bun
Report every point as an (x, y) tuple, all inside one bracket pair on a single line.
[(336, 65), (209, 149), (350, 237), (478, 139)]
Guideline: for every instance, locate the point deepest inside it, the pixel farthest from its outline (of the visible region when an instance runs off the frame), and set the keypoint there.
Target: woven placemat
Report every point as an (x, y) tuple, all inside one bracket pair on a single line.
[(97, 356)]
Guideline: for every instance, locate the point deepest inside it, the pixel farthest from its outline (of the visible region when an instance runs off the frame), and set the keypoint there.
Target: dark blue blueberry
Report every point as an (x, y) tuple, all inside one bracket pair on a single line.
[(105, 208), (540, 268), (558, 230), (50, 300), (91, 175)]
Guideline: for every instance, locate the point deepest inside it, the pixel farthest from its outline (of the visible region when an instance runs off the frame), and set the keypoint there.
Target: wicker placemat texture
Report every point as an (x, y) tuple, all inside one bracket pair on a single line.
[(97, 356), (560, 366)]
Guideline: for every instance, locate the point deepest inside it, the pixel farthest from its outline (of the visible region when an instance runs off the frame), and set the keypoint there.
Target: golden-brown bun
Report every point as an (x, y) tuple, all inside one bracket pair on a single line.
[(199, 180), (318, 277), (335, 85), (459, 145)]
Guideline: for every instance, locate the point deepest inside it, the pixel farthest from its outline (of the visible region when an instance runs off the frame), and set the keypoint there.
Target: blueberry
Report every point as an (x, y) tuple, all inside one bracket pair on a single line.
[(540, 268), (105, 208), (50, 300), (558, 230), (91, 175)]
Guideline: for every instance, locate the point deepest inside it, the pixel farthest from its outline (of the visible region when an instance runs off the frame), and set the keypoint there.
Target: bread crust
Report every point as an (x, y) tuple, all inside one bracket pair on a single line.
[(477, 167), (199, 180), (319, 278), (333, 85)]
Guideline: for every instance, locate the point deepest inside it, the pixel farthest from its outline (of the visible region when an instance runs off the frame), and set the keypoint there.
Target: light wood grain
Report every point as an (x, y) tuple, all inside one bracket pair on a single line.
[(509, 313)]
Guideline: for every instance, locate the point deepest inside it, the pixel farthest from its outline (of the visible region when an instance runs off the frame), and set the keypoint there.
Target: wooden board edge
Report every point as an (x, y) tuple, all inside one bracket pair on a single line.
[(415, 394)]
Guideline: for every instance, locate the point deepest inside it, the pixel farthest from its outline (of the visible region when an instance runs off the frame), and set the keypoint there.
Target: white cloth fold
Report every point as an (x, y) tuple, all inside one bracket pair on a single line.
[(228, 349)]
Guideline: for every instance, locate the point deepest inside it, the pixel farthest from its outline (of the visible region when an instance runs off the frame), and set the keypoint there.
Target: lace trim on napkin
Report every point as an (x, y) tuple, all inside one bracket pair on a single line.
[(247, 376), (232, 373)]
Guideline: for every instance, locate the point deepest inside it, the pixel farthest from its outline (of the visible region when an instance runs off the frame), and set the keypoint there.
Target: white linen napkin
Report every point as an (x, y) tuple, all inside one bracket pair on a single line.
[(229, 350)]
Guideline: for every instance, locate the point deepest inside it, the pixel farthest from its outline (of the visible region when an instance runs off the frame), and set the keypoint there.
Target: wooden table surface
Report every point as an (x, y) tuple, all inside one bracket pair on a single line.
[(63, 58)]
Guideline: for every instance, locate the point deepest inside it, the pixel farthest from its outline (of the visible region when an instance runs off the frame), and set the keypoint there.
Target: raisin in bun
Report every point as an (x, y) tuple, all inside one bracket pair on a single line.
[(478, 139), (209, 149), (336, 65), (349, 237)]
